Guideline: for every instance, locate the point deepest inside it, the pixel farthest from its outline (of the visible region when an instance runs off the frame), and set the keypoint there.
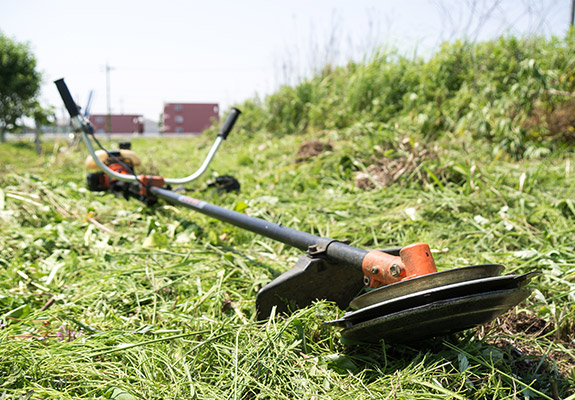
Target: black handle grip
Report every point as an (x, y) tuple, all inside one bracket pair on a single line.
[(67, 98), (229, 123)]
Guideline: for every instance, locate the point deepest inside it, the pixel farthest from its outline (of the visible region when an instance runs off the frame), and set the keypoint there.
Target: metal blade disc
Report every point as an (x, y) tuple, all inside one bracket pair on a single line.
[(436, 319), (426, 282), (428, 296)]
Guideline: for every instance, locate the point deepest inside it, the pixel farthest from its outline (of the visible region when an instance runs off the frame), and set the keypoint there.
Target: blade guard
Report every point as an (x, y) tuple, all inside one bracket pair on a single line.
[(311, 279), (382, 269)]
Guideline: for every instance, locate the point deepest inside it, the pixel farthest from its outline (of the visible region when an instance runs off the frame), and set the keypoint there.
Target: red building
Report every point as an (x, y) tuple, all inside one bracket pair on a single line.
[(120, 123), (188, 117)]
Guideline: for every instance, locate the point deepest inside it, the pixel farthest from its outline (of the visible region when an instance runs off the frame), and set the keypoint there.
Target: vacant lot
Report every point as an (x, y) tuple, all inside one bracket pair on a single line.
[(103, 297)]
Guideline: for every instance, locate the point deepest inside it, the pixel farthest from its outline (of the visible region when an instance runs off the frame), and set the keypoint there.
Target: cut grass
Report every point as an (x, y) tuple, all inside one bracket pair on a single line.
[(102, 297)]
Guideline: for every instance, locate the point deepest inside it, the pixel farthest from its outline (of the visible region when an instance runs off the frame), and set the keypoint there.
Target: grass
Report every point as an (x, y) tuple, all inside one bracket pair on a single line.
[(514, 92), (105, 298)]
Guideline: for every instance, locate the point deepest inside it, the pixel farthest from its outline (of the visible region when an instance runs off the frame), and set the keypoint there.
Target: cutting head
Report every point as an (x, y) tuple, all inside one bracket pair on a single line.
[(435, 319), (425, 282), (424, 297)]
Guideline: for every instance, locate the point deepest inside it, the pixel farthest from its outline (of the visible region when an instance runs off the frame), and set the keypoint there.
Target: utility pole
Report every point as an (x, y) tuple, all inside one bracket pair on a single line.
[(572, 13), (108, 102)]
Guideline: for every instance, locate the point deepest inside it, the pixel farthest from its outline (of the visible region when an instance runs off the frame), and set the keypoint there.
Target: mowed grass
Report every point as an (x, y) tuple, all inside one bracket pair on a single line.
[(105, 298)]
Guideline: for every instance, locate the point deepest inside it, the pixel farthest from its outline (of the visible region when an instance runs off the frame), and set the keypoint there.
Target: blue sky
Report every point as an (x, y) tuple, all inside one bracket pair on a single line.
[(226, 51)]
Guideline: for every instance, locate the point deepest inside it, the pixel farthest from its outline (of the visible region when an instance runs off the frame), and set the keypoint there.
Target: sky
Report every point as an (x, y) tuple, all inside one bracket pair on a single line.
[(228, 51)]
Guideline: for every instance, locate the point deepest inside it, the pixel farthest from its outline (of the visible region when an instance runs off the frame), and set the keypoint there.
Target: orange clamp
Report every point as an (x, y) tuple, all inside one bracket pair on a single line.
[(149, 180), (381, 269)]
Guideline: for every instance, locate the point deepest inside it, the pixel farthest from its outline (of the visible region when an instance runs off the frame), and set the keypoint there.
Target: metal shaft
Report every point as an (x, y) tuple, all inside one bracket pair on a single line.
[(335, 250)]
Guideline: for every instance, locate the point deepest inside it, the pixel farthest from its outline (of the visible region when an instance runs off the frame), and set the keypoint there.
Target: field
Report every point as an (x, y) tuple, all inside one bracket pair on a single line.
[(101, 297)]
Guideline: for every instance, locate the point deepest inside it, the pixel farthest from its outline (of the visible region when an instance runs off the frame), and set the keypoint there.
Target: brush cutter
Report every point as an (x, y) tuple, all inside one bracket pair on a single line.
[(394, 294)]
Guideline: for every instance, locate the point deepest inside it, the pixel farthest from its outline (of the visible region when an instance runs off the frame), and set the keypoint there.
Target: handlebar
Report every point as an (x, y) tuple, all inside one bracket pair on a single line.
[(67, 98), (229, 123), (86, 129)]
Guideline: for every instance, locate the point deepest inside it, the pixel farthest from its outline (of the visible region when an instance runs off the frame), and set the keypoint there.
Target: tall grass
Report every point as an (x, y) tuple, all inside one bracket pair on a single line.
[(513, 93)]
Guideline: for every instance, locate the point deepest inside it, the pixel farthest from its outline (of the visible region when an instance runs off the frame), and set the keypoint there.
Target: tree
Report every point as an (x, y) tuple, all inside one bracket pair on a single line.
[(19, 83), (42, 116)]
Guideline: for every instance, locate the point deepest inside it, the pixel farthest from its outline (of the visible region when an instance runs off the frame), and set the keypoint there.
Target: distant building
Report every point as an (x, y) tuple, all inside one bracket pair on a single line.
[(188, 117), (120, 123)]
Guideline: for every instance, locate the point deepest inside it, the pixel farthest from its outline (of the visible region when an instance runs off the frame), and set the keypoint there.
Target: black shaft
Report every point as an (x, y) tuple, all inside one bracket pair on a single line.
[(336, 251)]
